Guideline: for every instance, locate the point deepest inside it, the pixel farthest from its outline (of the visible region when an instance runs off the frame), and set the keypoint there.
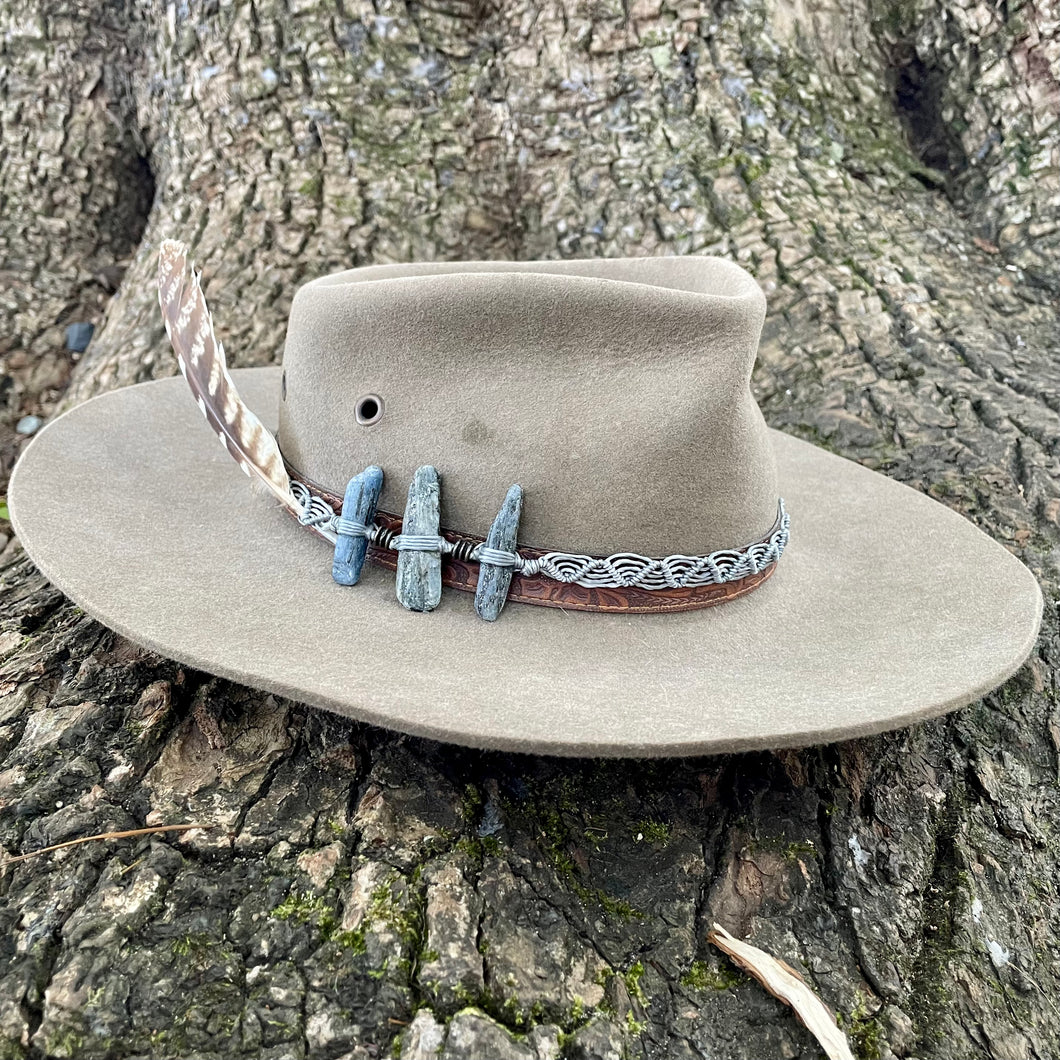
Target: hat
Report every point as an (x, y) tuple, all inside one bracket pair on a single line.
[(519, 505)]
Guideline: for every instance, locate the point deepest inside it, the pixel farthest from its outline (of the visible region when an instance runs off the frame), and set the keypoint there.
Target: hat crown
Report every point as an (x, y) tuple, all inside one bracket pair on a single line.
[(616, 392)]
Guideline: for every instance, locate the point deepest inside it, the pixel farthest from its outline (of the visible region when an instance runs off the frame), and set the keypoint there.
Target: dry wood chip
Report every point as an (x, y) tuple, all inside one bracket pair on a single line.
[(782, 981)]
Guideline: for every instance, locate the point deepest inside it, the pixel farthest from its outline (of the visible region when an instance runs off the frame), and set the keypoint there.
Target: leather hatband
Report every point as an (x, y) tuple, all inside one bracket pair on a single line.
[(548, 592)]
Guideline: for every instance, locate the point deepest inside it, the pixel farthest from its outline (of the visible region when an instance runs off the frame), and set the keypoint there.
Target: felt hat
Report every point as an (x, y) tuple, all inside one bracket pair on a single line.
[(577, 440)]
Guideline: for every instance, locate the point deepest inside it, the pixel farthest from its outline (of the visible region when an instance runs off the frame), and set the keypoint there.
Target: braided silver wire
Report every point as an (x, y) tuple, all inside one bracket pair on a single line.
[(628, 569), (621, 570), (316, 512)]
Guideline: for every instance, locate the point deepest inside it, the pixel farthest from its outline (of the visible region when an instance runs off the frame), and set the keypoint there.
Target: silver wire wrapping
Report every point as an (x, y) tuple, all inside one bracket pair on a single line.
[(620, 570)]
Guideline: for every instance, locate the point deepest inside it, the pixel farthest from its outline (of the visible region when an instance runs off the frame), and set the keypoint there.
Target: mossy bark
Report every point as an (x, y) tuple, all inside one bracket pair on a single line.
[(889, 172)]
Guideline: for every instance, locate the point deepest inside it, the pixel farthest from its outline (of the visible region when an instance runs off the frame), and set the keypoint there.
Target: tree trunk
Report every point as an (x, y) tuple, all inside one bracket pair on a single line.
[(889, 172)]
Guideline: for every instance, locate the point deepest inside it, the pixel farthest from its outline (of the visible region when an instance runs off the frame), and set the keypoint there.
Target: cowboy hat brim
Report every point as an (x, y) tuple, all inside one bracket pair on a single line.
[(887, 608)]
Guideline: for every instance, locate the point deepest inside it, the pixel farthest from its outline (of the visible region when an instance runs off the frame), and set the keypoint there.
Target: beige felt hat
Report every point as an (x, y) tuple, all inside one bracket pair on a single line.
[(679, 578)]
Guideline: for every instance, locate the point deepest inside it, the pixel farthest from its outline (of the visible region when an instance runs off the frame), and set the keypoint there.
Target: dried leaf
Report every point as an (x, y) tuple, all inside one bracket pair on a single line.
[(783, 982)]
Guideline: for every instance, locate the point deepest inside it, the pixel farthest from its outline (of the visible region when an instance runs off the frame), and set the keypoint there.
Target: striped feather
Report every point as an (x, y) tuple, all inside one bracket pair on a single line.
[(202, 363)]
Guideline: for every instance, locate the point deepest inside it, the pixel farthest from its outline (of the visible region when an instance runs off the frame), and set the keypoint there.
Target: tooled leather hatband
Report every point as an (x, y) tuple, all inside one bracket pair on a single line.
[(461, 572)]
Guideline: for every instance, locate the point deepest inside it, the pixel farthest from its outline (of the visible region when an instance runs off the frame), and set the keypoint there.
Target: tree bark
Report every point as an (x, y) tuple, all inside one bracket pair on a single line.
[(889, 172)]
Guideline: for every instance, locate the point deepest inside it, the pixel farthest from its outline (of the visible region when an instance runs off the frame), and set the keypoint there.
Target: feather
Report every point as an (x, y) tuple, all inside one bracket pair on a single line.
[(202, 363)]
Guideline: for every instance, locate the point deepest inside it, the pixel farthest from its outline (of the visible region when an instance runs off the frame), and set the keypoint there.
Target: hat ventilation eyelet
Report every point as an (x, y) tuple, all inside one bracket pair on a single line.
[(369, 410)]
